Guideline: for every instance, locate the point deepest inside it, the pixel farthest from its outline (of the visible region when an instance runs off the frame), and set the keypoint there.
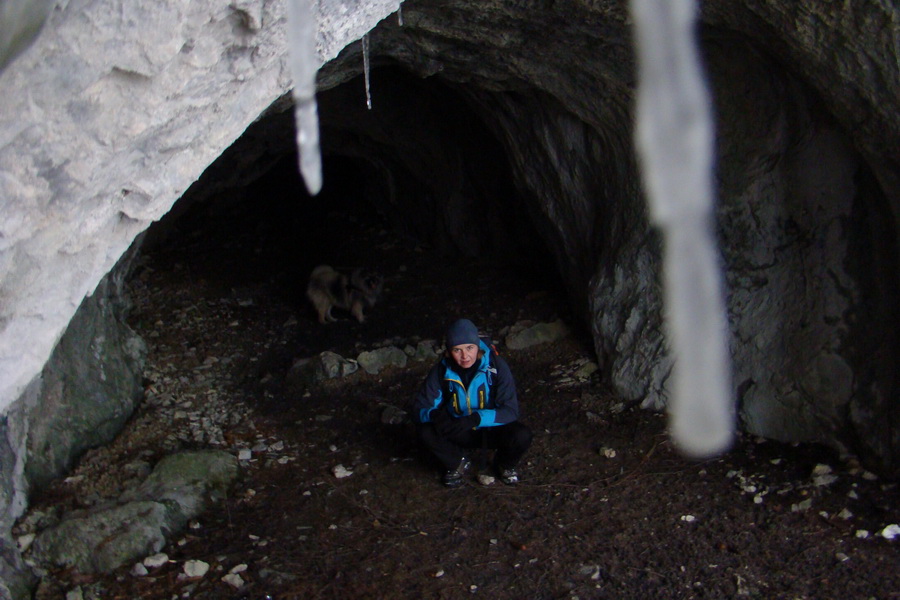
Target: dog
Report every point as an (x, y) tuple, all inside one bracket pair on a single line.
[(329, 288)]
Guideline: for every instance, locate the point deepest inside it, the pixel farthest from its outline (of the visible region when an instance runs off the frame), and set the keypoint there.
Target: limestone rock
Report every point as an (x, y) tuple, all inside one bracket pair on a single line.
[(540, 333)]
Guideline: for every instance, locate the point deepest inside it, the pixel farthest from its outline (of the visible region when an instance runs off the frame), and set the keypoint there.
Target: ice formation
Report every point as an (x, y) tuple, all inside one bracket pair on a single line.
[(365, 51), (304, 62), (675, 143)]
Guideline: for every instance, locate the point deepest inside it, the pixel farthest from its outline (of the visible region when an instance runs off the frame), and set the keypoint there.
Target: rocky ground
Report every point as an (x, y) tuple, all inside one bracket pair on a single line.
[(336, 500)]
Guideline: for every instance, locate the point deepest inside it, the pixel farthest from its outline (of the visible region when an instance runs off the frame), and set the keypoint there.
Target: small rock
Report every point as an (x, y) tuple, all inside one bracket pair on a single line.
[(139, 570), (688, 518), (245, 454), (25, 541), (75, 594), (195, 568), (340, 471), (156, 560), (890, 532), (485, 479), (234, 580)]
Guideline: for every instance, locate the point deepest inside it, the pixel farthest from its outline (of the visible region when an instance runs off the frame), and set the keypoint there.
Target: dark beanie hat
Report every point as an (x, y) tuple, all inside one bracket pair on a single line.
[(462, 332)]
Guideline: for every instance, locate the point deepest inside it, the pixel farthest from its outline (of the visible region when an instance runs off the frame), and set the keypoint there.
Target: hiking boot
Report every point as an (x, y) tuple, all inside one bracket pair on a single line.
[(508, 476), (454, 477)]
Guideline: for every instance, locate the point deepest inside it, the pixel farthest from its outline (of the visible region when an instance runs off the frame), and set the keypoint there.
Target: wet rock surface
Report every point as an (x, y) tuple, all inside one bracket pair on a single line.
[(335, 499)]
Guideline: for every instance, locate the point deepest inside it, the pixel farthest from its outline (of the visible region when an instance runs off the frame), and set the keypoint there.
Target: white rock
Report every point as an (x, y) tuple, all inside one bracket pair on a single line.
[(484, 479), (195, 568), (25, 541), (608, 452), (238, 568), (340, 471), (245, 454), (156, 560), (862, 533), (823, 480), (688, 518), (890, 532), (139, 570), (234, 580), (821, 469)]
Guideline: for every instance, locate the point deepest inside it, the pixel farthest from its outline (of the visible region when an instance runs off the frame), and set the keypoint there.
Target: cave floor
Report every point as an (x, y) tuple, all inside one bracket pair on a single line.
[(606, 507)]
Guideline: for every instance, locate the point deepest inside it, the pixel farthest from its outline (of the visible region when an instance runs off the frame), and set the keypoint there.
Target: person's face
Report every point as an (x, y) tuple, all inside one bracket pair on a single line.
[(464, 354)]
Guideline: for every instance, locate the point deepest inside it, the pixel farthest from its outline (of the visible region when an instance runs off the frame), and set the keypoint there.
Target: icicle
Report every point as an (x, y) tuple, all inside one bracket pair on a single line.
[(365, 50), (304, 63), (400, 15), (675, 140)]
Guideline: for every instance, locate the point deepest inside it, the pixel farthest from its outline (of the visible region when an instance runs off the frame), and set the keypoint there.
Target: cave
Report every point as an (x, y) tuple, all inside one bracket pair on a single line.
[(499, 134)]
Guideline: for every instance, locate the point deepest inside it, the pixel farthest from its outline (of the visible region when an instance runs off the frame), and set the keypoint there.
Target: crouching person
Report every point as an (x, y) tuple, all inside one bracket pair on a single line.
[(467, 401)]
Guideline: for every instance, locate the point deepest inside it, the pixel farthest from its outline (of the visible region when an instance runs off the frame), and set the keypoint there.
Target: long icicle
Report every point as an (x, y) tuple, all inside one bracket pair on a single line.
[(365, 51), (304, 63), (675, 141)]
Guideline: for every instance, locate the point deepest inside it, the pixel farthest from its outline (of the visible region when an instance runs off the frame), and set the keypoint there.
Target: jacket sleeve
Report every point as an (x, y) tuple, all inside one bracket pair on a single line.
[(504, 397), (429, 396)]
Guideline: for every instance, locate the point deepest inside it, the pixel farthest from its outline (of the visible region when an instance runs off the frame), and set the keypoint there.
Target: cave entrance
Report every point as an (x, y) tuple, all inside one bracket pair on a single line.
[(416, 188)]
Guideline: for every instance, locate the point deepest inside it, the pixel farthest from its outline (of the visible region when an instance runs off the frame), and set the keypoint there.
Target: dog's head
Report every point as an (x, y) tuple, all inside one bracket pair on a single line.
[(368, 282)]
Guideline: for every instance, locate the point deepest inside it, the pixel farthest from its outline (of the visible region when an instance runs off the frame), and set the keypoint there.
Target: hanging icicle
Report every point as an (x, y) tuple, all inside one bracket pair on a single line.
[(675, 140), (400, 15), (304, 63), (365, 51)]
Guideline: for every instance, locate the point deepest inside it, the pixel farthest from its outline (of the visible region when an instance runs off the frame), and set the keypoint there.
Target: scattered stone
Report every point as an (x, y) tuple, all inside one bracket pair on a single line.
[(234, 580), (862, 533), (586, 370), (688, 518), (24, 541), (392, 415), (308, 372), (591, 571), (608, 452), (890, 532), (485, 479), (76, 594), (195, 568), (823, 476), (139, 570), (540, 333), (245, 454), (374, 361), (340, 471), (156, 560)]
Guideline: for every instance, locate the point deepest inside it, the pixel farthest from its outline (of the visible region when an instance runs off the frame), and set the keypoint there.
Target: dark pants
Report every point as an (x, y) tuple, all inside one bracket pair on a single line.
[(511, 441)]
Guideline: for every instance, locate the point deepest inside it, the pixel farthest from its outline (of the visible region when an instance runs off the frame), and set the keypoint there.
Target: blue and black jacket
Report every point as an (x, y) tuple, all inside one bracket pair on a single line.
[(491, 392)]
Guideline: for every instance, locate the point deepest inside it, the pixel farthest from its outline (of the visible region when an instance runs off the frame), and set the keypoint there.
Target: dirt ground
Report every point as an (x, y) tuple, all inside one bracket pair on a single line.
[(606, 508)]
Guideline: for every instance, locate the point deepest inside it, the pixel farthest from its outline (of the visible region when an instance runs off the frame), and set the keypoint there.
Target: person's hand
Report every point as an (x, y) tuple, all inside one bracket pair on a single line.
[(440, 416), (460, 425)]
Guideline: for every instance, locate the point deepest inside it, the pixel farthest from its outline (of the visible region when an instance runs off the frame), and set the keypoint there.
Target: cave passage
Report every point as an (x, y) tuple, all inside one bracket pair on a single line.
[(249, 218)]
